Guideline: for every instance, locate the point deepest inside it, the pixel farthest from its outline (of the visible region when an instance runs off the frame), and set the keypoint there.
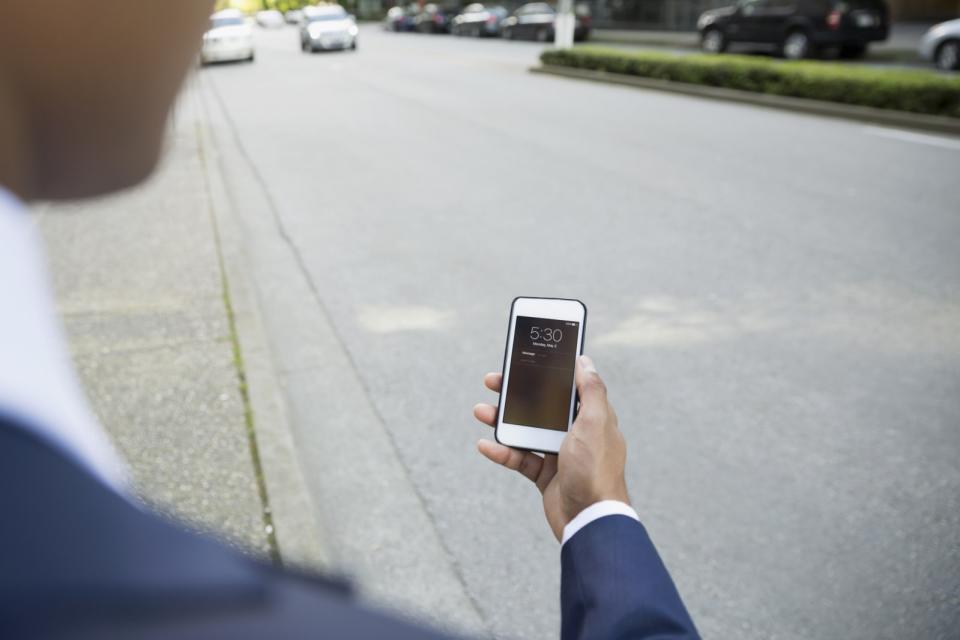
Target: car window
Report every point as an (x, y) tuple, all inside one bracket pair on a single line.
[(225, 22), (848, 5), (538, 7), (317, 17)]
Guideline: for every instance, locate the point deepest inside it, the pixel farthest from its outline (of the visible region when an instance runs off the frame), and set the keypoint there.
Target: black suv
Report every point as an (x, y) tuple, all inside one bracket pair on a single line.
[(798, 28)]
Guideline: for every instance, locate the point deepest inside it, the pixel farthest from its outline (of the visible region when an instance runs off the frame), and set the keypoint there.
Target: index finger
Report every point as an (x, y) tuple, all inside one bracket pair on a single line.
[(493, 381)]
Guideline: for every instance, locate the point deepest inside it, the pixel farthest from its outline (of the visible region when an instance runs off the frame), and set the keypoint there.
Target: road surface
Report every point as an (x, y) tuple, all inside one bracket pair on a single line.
[(774, 302)]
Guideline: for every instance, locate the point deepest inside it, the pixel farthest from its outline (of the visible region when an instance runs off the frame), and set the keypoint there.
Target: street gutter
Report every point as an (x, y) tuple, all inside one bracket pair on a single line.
[(290, 521), (883, 117)]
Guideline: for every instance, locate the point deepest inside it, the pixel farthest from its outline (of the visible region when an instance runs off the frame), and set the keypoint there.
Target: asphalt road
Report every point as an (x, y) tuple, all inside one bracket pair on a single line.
[(774, 302)]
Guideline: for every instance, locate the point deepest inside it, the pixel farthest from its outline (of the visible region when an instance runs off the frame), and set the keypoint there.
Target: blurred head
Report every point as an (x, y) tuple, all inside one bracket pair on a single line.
[(85, 89)]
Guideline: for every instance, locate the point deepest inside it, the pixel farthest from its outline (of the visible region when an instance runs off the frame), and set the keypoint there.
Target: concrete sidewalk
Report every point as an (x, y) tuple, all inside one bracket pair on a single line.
[(147, 306)]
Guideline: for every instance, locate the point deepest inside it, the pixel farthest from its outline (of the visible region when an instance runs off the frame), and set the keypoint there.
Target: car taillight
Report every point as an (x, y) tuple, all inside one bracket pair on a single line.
[(834, 19), (491, 19)]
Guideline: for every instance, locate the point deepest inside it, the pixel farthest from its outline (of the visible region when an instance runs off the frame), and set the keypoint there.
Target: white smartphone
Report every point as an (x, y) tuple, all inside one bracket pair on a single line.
[(538, 398)]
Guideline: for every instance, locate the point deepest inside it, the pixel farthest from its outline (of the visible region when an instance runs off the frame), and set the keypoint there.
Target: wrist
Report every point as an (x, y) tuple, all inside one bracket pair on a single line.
[(615, 493), (595, 512)]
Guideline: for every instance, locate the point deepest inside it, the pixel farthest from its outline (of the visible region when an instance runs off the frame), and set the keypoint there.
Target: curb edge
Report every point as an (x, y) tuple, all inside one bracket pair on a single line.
[(935, 124), (299, 538)]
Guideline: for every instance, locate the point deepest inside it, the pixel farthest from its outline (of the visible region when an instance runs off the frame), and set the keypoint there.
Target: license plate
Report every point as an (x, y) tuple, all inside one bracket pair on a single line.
[(866, 20)]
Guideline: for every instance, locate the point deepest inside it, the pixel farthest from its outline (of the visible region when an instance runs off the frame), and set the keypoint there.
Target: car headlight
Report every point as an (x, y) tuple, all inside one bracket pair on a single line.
[(353, 30)]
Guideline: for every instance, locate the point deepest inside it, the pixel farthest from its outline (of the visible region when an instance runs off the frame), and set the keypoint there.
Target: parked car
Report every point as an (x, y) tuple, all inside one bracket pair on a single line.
[(228, 38), (434, 19), (293, 16), (535, 21), (401, 18), (327, 27), (797, 28), (269, 18), (941, 44), (478, 20)]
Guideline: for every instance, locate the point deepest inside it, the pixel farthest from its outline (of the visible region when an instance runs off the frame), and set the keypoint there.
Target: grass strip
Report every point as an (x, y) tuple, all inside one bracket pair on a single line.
[(911, 91), (266, 513)]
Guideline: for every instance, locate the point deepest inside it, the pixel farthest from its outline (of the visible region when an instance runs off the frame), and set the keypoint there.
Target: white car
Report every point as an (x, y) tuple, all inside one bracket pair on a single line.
[(327, 27), (941, 45), (270, 18), (228, 38)]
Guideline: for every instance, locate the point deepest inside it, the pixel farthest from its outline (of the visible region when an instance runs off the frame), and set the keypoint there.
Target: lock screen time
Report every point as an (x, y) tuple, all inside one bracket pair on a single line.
[(540, 380)]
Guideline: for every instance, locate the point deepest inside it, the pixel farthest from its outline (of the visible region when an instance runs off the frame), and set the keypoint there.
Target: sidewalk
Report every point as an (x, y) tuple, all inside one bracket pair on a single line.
[(214, 369), (139, 287)]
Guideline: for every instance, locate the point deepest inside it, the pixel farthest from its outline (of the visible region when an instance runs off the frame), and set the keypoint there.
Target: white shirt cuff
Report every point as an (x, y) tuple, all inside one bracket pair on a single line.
[(596, 511)]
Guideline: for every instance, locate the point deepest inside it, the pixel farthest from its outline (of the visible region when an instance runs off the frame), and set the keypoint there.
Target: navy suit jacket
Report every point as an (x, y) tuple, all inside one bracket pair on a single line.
[(79, 561)]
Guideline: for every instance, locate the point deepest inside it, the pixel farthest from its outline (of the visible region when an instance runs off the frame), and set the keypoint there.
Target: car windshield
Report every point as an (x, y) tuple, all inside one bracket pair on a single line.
[(225, 21), (537, 8), (317, 17)]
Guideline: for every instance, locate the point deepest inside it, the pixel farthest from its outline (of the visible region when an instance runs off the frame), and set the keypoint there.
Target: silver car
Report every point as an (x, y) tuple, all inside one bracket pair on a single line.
[(941, 44), (327, 27), (229, 38)]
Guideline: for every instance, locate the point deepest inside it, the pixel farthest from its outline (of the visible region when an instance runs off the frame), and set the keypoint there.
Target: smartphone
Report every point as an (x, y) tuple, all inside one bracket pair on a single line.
[(538, 398)]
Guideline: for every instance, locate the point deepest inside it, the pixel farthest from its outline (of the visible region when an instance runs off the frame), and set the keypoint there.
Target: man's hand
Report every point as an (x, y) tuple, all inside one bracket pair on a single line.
[(590, 465)]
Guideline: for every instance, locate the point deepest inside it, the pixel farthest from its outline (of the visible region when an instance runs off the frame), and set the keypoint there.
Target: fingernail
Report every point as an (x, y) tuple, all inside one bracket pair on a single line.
[(587, 364)]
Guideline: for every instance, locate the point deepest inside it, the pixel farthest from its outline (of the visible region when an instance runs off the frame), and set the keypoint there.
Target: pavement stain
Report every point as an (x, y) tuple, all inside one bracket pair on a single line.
[(399, 318), (872, 315)]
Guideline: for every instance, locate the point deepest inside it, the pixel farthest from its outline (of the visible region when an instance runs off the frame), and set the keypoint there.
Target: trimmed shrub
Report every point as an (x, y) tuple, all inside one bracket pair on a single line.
[(918, 91)]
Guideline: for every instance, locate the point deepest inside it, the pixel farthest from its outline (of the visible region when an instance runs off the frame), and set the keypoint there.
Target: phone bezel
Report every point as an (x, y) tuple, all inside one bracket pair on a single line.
[(522, 436)]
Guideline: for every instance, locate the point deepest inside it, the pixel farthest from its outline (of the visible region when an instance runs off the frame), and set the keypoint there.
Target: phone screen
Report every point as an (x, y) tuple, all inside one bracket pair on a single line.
[(540, 381)]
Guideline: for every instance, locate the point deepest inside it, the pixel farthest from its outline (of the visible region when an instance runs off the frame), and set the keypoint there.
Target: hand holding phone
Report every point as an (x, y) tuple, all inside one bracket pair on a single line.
[(538, 398), (590, 465)]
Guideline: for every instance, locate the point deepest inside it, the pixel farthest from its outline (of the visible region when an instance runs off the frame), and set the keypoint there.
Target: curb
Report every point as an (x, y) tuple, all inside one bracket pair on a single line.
[(299, 539), (328, 454), (900, 119)]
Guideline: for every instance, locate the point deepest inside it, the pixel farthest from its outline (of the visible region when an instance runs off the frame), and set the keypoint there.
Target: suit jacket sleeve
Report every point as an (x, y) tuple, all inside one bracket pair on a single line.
[(614, 585)]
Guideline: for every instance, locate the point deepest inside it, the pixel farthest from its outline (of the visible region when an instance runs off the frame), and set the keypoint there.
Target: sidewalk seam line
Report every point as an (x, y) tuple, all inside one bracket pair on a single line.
[(318, 299), (248, 417)]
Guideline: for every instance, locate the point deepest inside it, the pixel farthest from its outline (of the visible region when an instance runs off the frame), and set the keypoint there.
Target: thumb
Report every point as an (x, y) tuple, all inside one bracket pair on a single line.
[(593, 393)]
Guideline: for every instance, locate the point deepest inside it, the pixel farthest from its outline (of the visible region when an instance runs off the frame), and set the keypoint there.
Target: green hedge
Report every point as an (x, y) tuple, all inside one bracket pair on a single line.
[(903, 90)]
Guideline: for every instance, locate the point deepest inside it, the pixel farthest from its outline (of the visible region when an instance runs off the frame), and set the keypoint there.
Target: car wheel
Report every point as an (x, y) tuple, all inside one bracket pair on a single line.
[(353, 45), (713, 41), (797, 45), (948, 56), (251, 58), (543, 35)]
